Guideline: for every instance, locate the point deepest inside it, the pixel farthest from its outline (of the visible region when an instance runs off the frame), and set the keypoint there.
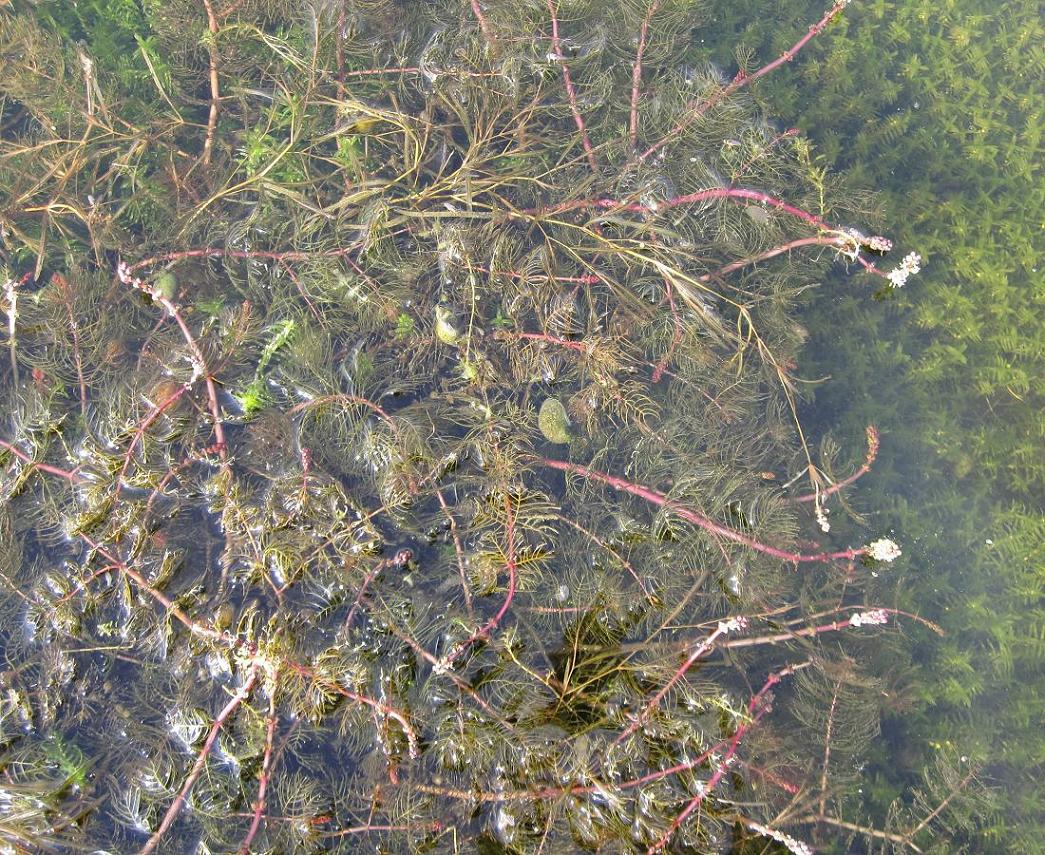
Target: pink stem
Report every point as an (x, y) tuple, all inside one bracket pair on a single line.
[(704, 647), (636, 72), (63, 283), (201, 759), (661, 366), (388, 711), (820, 240), (71, 476), (692, 516), (550, 339), (492, 624), (225, 252), (872, 453), (723, 766), (263, 780), (790, 132), (571, 92), (140, 432), (483, 24), (742, 80), (195, 627)]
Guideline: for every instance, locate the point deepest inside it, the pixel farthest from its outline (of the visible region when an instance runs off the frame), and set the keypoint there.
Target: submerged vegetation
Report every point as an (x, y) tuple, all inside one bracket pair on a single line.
[(401, 442), (938, 107)]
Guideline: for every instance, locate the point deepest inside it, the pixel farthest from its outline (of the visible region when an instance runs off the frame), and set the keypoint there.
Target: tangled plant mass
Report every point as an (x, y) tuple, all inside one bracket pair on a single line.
[(298, 554)]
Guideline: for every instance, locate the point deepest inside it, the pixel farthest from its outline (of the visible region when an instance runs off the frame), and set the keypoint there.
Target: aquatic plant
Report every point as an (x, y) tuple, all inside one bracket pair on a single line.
[(938, 107), (399, 419)]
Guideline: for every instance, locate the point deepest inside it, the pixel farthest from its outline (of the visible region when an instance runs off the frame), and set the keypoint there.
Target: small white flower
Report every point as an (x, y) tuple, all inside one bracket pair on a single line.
[(884, 549), (910, 265)]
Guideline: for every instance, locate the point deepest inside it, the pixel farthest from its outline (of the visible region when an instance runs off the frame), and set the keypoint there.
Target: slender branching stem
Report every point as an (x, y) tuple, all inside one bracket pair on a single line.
[(742, 79), (636, 73), (571, 90), (197, 768), (692, 516)]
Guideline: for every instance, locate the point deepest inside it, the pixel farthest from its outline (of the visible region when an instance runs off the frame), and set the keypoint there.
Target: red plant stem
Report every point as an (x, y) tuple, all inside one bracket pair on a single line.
[(388, 711), (362, 591), (71, 476), (201, 363), (140, 432), (704, 647), (339, 46), (484, 25), (571, 92), (195, 627), (755, 712), (835, 240), (804, 632), (731, 193), (197, 768), (263, 779), (341, 399), (301, 290), (692, 516), (790, 132), (215, 93), (373, 72), (827, 748), (835, 235), (462, 685), (63, 283), (587, 279), (492, 624), (580, 789), (550, 339), (765, 774), (873, 442), (741, 80), (594, 538), (636, 72), (435, 825), (458, 550)]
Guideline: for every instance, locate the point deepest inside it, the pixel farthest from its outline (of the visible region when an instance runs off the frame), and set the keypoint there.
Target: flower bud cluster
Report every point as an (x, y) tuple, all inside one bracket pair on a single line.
[(911, 264), (884, 549), (875, 617), (734, 624)]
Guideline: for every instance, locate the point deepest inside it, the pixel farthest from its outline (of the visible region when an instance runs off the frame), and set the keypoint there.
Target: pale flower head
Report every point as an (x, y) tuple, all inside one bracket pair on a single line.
[(734, 624), (884, 549), (875, 617), (911, 264)]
